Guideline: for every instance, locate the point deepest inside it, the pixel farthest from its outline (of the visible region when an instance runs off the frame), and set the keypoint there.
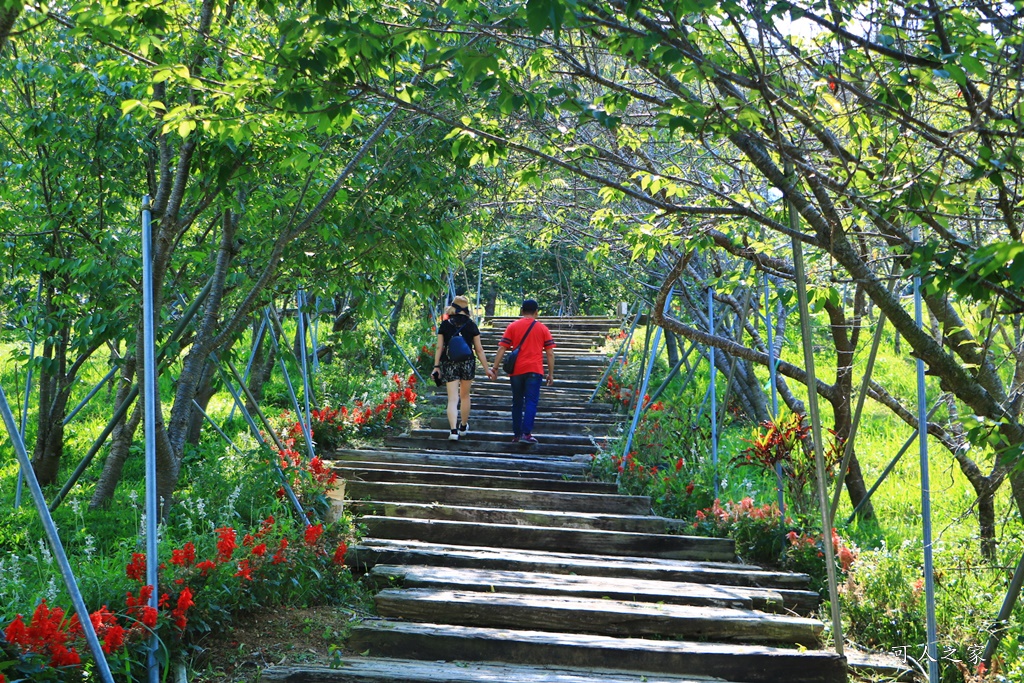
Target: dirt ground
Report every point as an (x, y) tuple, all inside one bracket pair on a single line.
[(308, 636)]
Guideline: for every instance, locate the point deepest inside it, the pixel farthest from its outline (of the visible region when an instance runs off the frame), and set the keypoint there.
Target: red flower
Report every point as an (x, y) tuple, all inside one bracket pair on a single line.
[(62, 656), (16, 632), (149, 615), (339, 553), (679, 464), (260, 550), (178, 615), (225, 543), (206, 566), (248, 540), (185, 556), (113, 639), (136, 569), (689, 488), (313, 533), (244, 571)]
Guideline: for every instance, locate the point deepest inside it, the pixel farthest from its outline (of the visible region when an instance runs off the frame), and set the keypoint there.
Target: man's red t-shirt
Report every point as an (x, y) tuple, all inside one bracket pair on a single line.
[(531, 355)]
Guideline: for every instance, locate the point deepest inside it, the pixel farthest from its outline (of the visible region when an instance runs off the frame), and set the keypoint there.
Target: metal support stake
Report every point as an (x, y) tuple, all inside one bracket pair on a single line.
[(314, 328), (252, 356), (643, 385), (258, 436), (671, 375), (306, 431), (53, 537), (635, 397), (28, 392), (149, 425), (399, 347), (712, 389), (88, 397), (307, 392), (889, 468), (926, 502), (769, 332), (819, 455), (623, 349), (216, 427)]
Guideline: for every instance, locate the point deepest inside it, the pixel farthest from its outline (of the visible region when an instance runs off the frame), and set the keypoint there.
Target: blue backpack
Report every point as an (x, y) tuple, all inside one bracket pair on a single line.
[(458, 347)]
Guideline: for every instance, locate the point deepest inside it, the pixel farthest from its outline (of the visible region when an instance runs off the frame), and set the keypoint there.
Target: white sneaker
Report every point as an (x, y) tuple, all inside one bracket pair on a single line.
[(453, 435), (464, 429)]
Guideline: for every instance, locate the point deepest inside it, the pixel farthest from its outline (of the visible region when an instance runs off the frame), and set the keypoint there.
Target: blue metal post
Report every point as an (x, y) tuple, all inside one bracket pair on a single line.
[(300, 297), (88, 397), (643, 385), (54, 539), (306, 431), (775, 392), (712, 389), (28, 390), (926, 502), (149, 423), (252, 356)]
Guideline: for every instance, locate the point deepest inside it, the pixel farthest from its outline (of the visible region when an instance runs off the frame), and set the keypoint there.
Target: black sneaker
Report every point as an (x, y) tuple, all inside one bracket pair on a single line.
[(529, 438)]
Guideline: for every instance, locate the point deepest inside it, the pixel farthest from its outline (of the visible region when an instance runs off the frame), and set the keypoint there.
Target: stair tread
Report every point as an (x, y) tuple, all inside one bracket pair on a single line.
[(756, 663), (637, 590), (595, 615), (387, 670)]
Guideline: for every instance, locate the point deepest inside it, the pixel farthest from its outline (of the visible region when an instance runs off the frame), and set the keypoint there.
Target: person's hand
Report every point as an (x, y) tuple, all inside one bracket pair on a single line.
[(435, 373), (491, 373), (551, 380)]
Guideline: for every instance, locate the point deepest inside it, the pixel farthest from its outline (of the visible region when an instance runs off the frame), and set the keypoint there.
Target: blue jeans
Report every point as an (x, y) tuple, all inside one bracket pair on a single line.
[(525, 397)]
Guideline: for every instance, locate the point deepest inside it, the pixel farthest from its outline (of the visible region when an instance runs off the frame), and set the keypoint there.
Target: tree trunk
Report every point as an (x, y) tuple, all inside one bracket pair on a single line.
[(672, 347), (492, 302), (396, 314), (120, 441), (204, 392), (8, 15)]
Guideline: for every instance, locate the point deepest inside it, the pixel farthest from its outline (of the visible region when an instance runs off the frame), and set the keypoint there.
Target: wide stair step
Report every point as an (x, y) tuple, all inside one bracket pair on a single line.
[(595, 615), (552, 538), (734, 662), (368, 473), (378, 670), (561, 465)]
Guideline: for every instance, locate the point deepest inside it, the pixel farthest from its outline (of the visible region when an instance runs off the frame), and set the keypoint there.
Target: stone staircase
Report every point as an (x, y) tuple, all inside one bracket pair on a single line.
[(503, 563)]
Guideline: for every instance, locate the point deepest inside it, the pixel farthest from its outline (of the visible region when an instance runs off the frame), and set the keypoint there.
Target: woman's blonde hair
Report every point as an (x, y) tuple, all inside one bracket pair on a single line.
[(461, 302)]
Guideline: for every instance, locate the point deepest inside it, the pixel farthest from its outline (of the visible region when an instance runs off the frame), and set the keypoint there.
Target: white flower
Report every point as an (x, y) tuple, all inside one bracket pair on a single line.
[(51, 591), (90, 546), (44, 552)]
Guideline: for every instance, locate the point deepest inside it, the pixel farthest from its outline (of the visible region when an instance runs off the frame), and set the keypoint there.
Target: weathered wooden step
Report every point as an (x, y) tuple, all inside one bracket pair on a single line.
[(513, 498), (552, 538), (374, 670), (543, 425), (551, 464), (501, 437), (370, 552), (358, 465), (473, 445), (741, 663), (643, 524), (369, 474), (597, 616), (630, 590)]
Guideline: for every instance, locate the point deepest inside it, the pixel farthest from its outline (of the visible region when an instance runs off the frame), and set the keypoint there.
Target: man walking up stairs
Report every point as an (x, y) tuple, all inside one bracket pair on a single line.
[(525, 342)]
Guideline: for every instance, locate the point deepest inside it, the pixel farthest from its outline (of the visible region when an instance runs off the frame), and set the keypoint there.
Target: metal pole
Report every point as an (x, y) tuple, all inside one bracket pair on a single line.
[(643, 385), (258, 436), (399, 347), (54, 539), (622, 348), (216, 427), (306, 431), (252, 356), (307, 393), (926, 503), (28, 390), (314, 325), (88, 397), (819, 456), (671, 375), (769, 331), (712, 389), (644, 358), (149, 424), (888, 468)]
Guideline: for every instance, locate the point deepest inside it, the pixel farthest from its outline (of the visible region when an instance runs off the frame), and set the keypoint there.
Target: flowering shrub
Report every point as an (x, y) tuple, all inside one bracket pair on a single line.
[(786, 441), (276, 563), (759, 531), (332, 427)]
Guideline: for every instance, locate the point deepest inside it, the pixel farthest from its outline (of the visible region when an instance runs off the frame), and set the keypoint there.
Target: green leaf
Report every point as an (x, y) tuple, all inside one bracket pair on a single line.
[(973, 65)]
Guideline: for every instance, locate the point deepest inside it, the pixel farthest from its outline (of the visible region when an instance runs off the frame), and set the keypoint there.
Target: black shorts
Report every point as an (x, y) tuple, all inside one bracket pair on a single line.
[(462, 370)]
